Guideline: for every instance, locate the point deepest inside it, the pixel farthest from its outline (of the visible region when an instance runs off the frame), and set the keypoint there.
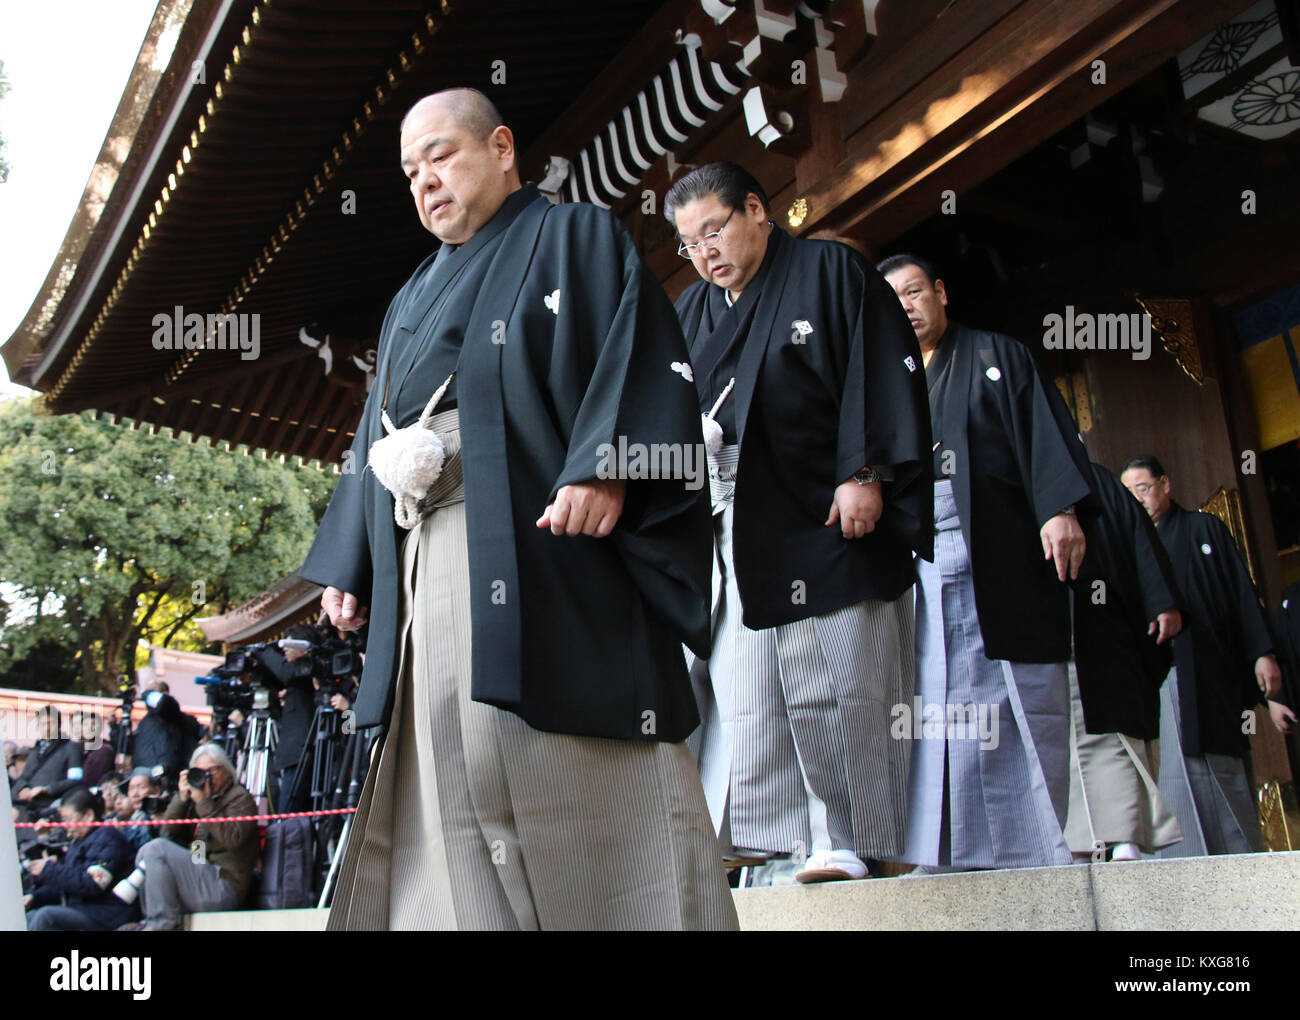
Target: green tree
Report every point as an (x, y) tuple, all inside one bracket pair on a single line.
[(114, 536)]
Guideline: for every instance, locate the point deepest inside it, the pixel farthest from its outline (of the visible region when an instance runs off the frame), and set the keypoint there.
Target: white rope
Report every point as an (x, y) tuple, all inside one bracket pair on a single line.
[(407, 461), (712, 430)]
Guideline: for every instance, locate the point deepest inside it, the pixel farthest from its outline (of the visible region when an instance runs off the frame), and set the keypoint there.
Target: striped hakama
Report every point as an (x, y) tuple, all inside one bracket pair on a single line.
[(976, 802), (1210, 794), (1113, 793), (794, 746), (472, 819)]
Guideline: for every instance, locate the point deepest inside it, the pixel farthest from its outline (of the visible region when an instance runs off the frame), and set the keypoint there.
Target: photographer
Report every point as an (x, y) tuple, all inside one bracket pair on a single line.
[(75, 894), (160, 739), (312, 683), (213, 873), (297, 706), (143, 794), (53, 767)]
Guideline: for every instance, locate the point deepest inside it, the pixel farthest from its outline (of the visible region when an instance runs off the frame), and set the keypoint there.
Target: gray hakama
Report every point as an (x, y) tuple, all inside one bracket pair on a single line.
[(972, 804), (1113, 793), (471, 819), (1210, 794), (794, 745)]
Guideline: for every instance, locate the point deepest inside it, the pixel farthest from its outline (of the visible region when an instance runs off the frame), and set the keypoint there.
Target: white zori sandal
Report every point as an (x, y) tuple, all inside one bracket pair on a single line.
[(831, 866)]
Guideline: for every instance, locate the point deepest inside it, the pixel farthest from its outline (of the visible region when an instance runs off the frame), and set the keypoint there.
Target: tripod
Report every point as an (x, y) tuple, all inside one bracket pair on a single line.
[(325, 730), (355, 755), (259, 745)]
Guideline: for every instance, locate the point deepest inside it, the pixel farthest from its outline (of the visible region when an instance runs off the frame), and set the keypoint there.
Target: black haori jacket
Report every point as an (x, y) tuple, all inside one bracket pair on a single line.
[(569, 344), (1125, 582), (1224, 632), (829, 380), (1018, 462)]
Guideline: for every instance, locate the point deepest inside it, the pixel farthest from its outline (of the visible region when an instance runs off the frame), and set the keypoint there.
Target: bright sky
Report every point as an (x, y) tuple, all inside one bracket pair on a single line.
[(67, 62)]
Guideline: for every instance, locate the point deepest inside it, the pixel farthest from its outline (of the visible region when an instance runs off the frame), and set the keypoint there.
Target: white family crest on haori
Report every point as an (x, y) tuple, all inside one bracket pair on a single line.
[(910, 362), (993, 372), (802, 326), (1205, 548), (409, 460), (552, 301), (683, 369)]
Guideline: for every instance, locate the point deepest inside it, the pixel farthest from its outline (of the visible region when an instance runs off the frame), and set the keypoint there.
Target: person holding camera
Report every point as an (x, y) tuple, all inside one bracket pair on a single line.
[(162, 738), (208, 866), (297, 708), (75, 893), (142, 796)]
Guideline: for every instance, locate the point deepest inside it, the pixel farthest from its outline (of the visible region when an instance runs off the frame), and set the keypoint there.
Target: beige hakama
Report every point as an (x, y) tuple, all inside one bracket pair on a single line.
[(472, 819), (1114, 796)]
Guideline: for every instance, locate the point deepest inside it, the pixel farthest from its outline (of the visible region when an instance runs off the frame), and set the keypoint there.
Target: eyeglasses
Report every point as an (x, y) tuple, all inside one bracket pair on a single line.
[(689, 251), (1142, 488)]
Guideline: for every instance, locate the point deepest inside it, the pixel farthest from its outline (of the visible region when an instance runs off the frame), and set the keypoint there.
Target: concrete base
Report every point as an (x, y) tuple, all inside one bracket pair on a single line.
[(1255, 892)]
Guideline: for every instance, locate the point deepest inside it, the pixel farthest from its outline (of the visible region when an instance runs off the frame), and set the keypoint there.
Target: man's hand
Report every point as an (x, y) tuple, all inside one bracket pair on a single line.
[(27, 901), (1283, 718), (1268, 675), (26, 794), (343, 611), (857, 508), (38, 865), (1166, 625), (588, 508), (183, 788), (1063, 542), (338, 703), (199, 794)]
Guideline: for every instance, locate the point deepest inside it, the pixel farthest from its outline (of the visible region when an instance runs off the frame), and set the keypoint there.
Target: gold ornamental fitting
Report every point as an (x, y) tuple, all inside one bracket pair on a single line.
[(797, 213)]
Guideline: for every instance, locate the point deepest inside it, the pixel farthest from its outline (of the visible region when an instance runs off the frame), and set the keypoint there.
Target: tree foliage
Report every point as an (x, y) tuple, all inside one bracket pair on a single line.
[(114, 536)]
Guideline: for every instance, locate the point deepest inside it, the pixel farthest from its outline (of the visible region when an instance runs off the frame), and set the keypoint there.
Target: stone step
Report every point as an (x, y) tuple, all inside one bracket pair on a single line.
[(1256, 892)]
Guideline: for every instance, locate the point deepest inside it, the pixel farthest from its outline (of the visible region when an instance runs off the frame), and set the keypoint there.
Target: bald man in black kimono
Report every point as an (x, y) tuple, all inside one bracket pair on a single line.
[(526, 610), (1224, 665), (993, 612)]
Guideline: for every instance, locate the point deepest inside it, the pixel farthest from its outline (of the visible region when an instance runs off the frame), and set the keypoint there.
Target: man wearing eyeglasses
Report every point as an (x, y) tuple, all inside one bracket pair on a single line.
[(812, 383), (1224, 664)]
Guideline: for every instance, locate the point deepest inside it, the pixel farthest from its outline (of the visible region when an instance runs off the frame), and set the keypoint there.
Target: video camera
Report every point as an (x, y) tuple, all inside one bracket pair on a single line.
[(52, 841), (245, 680), (333, 660)]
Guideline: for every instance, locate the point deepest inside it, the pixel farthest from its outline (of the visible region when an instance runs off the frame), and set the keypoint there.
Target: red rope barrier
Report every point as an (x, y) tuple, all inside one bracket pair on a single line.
[(188, 821)]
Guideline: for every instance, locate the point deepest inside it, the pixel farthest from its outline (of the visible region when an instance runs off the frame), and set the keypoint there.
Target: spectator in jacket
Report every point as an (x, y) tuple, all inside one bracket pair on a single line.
[(179, 881), (87, 728), (53, 768), (76, 893), (11, 753)]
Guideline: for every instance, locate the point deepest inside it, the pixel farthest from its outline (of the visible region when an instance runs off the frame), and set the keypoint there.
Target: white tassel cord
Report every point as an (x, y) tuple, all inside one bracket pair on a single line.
[(712, 430), (409, 460)]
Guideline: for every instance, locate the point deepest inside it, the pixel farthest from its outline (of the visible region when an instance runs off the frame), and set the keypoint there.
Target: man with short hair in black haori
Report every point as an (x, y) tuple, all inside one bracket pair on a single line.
[(1224, 665), (528, 608)]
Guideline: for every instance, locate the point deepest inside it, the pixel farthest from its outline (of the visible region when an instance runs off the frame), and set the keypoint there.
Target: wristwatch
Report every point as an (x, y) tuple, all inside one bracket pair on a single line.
[(867, 475)]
